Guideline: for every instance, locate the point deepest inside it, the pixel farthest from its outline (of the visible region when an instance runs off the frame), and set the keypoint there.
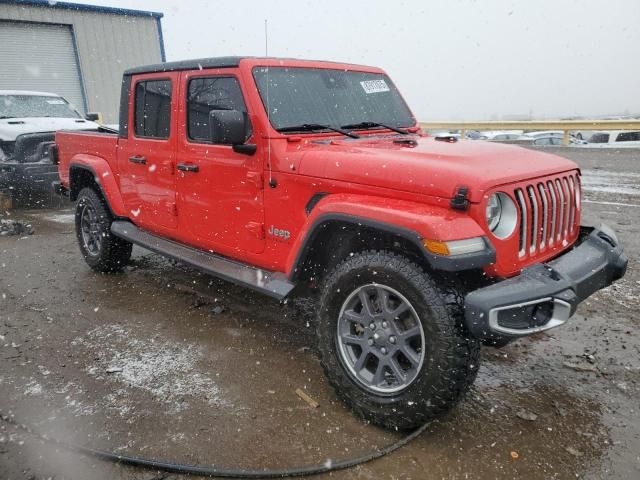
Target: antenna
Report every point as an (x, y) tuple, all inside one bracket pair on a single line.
[(266, 37), (272, 184)]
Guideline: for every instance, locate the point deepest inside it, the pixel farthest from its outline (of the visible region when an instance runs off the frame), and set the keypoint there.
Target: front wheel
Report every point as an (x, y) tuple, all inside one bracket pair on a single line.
[(103, 251), (392, 340)]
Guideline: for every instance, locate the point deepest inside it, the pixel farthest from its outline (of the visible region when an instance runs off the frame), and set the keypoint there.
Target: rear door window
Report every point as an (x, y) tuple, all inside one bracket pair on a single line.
[(152, 116)]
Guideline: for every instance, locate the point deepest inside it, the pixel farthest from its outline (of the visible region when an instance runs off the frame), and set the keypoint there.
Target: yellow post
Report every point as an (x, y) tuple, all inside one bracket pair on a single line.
[(565, 139)]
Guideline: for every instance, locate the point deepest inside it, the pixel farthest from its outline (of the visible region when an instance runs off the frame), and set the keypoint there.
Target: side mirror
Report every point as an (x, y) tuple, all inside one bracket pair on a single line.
[(227, 127), (93, 117)]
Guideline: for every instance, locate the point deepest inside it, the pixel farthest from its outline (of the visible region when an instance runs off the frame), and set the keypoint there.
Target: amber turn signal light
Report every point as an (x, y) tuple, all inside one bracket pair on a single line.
[(434, 246), (455, 247)]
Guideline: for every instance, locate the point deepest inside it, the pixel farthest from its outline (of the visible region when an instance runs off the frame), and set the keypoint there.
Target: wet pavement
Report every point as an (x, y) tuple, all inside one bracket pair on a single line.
[(164, 362)]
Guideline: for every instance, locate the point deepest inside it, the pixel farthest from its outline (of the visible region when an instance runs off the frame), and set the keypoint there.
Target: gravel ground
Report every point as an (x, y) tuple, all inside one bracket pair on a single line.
[(164, 362)]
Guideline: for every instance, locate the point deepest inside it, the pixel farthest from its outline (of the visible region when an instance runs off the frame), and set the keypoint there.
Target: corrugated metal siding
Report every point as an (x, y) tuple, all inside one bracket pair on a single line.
[(107, 44), (40, 57)]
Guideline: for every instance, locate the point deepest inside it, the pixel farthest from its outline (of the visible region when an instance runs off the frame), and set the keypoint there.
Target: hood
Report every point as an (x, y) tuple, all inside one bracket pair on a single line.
[(430, 166), (11, 128)]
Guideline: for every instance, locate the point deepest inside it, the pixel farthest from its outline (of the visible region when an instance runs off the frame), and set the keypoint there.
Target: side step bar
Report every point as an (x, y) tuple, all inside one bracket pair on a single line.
[(274, 284)]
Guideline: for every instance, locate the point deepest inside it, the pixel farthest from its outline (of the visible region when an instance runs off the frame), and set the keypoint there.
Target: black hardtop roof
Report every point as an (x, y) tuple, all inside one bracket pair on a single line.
[(199, 63), (214, 62)]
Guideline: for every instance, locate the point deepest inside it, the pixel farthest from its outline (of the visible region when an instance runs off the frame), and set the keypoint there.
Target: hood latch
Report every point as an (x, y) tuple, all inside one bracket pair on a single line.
[(460, 200)]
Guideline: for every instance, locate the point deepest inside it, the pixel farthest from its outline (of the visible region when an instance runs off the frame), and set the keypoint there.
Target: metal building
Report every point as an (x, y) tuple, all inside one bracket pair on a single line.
[(75, 50)]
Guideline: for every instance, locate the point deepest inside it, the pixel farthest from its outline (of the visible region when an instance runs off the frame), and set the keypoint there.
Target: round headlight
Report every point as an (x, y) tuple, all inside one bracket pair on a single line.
[(494, 211), (502, 215)]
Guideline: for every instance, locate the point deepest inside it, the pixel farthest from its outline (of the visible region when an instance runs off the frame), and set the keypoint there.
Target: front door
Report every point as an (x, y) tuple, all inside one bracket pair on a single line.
[(147, 157), (220, 196)]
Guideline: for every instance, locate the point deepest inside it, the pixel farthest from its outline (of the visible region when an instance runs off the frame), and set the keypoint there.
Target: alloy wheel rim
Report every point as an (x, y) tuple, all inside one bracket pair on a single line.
[(380, 339), (91, 229)]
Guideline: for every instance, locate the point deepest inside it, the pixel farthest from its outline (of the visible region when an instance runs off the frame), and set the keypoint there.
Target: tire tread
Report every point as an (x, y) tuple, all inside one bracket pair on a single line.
[(116, 251)]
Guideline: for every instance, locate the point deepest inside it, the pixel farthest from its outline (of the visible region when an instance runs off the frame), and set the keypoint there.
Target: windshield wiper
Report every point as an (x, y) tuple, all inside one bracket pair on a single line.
[(365, 125), (308, 127)]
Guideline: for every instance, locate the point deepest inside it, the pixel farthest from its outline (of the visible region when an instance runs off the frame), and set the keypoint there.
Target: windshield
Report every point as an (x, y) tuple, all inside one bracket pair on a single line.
[(21, 106), (299, 96)]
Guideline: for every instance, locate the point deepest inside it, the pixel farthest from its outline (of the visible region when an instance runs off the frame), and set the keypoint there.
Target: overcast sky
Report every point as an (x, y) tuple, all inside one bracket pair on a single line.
[(455, 59)]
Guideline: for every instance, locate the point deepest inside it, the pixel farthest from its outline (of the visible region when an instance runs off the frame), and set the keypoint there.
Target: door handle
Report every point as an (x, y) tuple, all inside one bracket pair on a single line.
[(187, 167), (138, 160)]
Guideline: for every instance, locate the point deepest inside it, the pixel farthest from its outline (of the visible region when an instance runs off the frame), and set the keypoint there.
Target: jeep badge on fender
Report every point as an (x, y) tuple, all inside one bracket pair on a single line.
[(282, 234)]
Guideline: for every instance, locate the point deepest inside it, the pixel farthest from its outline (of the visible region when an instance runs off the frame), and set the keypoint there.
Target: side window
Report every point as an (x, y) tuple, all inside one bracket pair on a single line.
[(599, 138), (206, 94), (152, 116), (628, 137)]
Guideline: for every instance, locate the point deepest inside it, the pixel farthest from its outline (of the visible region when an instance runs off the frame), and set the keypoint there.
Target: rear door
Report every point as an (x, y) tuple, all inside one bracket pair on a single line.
[(220, 196), (147, 157)]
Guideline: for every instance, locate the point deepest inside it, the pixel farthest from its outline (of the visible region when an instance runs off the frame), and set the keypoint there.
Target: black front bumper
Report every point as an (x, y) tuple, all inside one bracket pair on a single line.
[(28, 177), (546, 295)]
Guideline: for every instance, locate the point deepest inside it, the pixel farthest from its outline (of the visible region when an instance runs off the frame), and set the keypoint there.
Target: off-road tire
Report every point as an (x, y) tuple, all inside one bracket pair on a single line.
[(451, 357), (114, 253)]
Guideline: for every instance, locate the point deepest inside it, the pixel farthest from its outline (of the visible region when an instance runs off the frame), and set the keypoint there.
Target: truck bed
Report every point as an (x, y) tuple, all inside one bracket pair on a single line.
[(96, 144)]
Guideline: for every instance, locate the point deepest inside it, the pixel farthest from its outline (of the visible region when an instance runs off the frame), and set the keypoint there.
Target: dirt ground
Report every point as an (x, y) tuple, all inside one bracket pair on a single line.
[(164, 362)]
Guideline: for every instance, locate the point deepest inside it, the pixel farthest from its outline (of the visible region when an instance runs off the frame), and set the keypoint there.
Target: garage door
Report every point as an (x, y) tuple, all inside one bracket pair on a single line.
[(40, 57)]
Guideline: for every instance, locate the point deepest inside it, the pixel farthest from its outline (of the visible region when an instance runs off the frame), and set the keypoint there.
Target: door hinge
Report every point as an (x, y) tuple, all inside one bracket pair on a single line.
[(257, 178), (172, 207), (257, 229)]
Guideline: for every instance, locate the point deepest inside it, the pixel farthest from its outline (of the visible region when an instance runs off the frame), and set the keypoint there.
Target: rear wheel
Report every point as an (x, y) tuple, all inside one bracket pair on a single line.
[(102, 251), (392, 340)]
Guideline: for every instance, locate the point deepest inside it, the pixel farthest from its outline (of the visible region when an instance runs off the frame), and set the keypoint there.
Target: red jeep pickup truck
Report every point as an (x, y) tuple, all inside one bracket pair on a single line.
[(305, 178)]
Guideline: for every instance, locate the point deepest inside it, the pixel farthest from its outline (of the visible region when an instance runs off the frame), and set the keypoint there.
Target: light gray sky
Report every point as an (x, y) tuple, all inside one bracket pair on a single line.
[(455, 59)]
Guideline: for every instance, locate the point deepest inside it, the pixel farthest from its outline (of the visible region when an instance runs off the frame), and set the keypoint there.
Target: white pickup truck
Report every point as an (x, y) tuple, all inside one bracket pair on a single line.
[(28, 122)]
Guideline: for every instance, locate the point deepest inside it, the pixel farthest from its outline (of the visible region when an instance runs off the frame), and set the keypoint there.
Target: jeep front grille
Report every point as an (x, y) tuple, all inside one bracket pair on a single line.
[(548, 211)]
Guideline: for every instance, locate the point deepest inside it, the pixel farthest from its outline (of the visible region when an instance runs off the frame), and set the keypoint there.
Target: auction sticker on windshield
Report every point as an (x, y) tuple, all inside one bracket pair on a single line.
[(374, 86)]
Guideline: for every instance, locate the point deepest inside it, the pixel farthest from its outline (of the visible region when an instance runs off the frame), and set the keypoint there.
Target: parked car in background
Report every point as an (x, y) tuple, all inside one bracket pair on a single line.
[(473, 135), (552, 138), (548, 141), (543, 133), (582, 135), (445, 134), (615, 138), (28, 122), (499, 136)]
